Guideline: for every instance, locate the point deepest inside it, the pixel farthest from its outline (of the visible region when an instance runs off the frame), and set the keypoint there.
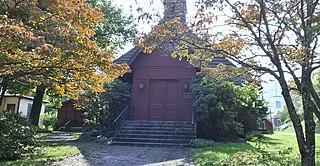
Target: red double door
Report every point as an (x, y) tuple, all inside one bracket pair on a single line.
[(164, 100)]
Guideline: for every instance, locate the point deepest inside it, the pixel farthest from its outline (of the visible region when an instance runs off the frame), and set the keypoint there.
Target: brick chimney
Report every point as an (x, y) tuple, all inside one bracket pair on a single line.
[(175, 8)]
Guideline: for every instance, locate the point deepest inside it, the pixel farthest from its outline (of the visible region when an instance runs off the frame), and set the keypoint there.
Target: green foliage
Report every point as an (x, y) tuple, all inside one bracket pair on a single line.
[(17, 136), (284, 115), (49, 119), (102, 108), (201, 143), (226, 111), (117, 30), (240, 158), (255, 136)]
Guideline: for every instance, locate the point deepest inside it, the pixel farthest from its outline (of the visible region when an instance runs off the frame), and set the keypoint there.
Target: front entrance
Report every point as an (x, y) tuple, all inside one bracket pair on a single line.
[(164, 100)]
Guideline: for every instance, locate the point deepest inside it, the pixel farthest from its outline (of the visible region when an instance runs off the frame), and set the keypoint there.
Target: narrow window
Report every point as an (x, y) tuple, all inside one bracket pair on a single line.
[(278, 104)]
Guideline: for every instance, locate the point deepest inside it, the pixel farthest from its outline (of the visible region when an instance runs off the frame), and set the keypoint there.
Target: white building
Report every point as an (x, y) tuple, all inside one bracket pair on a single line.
[(276, 104), (20, 104)]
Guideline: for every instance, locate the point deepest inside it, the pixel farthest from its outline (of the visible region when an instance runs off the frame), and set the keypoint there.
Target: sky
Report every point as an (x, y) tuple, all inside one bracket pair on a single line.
[(270, 88)]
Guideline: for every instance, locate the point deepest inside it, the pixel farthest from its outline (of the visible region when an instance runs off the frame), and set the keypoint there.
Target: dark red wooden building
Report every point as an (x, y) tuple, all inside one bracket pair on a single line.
[(161, 85), (68, 114)]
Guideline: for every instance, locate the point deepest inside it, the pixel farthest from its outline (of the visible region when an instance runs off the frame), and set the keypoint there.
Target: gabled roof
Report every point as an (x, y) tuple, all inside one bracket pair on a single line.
[(131, 55), (219, 60)]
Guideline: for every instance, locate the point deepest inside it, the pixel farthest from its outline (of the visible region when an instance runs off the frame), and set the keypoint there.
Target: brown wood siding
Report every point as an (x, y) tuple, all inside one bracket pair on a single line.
[(67, 112), (163, 96)]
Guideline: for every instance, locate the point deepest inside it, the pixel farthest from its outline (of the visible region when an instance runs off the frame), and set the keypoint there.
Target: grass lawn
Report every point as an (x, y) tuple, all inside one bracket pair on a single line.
[(275, 149), (290, 129), (50, 153)]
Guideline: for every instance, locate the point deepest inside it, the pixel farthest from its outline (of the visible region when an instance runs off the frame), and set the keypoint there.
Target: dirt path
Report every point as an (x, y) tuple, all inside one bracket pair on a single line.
[(114, 155)]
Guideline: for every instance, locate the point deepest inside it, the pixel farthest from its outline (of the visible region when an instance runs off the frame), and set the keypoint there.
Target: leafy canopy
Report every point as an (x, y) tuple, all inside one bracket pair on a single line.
[(50, 42)]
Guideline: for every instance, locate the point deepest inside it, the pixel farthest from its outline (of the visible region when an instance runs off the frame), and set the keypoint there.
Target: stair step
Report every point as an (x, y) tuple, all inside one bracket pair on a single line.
[(130, 139), (150, 144), (157, 128), (157, 132), (155, 136), (156, 122), (161, 125)]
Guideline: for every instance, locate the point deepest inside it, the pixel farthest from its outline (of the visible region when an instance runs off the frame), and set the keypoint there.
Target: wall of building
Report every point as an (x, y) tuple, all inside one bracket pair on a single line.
[(147, 67), (25, 107), (9, 100), (276, 104)]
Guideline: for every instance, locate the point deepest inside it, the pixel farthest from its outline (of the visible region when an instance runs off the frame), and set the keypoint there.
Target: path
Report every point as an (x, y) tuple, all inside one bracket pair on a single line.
[(114, 155)]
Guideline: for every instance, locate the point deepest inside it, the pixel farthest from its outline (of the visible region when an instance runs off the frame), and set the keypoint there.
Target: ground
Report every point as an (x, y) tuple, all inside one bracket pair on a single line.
[(101, 154), (274, 149)]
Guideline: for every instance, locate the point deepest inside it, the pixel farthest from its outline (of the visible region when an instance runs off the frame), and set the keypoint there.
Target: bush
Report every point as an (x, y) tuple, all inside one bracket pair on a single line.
[(49, 119), (255, 136), (201, 143), (103, 108), (226, 111), (17, 136)]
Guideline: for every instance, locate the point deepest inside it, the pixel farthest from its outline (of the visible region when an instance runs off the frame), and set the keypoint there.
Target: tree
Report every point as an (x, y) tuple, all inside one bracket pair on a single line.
[(117, 30), (49, 44), (275, 37)]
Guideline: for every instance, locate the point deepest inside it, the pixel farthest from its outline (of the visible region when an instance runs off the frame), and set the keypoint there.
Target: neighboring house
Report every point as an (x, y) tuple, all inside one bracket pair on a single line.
[(68, 114), (276, 104), (276, 121), (20, 104), (265, 126)]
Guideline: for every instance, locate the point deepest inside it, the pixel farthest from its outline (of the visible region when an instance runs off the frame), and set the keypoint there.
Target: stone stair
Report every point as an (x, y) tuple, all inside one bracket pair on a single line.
[(155, 133)]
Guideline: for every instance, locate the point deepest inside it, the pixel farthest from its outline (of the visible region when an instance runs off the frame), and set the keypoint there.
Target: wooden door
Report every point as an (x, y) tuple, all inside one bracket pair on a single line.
[(156, 100), (171, 99), (164, 100)]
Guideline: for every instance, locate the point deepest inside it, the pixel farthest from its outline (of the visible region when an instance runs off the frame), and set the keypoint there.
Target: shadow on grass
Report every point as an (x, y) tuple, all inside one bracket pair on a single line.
[(271, 141), (48, 153)]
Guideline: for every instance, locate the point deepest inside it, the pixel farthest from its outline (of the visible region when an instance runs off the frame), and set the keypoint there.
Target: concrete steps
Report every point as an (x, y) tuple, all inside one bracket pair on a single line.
[(155, 133)]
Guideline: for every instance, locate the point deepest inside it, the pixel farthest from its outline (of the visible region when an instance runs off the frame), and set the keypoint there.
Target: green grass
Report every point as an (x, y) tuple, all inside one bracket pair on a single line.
[(273, 149), (290, 129), (50, 153)]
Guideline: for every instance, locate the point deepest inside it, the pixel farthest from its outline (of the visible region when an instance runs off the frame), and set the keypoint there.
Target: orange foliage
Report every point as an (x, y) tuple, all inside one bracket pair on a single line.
[(49, 42)]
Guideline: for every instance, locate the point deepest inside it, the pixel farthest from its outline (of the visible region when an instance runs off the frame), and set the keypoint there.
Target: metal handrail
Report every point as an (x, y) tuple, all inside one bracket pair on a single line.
[(121, 118), (121, 113)]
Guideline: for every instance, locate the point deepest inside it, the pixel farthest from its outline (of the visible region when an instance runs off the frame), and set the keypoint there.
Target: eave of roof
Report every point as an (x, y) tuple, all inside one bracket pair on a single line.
[(23, 97), (132, 54), (129, 56)]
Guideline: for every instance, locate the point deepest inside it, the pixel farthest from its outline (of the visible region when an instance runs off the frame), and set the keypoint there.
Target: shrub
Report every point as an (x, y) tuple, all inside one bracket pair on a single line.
[(255, 136), (17, 136), (49, 119), (226, 111), (103, 108), (216, 117), (201, 143)]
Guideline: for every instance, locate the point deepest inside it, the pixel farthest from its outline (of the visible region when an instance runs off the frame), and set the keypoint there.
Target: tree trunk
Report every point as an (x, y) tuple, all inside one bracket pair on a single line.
[(3, 91), (308, 158), (37, 104)]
